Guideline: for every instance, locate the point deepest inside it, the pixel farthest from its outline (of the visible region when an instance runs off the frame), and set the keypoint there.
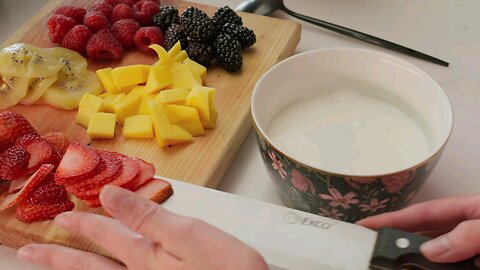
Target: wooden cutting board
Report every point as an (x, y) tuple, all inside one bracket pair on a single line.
[(202, 162)]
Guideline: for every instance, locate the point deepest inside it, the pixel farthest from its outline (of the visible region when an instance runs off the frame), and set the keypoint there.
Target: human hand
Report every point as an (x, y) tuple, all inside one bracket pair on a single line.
[(145, 236), (454, 221)]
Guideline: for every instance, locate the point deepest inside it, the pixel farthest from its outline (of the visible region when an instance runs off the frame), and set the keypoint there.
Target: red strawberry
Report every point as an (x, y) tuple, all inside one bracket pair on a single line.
[(146, 172), (121, 12), (103, 7), (57, 140), (96, 20), (147, 36), (27, 139), (78, 163), (75, 13), (48, 192), (77, 38), (41, 152), (32, 213), (125, 30), (157, 190), (14, 163), (28, 188), (103, 45), (12, 126), (93, 203), (58, 26)]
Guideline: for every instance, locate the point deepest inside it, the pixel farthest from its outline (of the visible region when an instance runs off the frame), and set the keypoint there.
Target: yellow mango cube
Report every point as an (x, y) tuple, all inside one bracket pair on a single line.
[(105, 77), (159, 78), (182, 77), (109, 102), (166, 133), (175, 50), (198, 70), (88, 105), (198, 98), (129, 104), (186, 117), (173, 96), (212, 109), (138, 126), (163, 57), (143, 108), (182, 55), (130, 75), (102, 126)]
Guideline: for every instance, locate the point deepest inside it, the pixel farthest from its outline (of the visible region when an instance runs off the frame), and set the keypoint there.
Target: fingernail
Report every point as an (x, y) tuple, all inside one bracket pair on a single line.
[(436, 247), (26, 253), (111, 197), (62, 220)]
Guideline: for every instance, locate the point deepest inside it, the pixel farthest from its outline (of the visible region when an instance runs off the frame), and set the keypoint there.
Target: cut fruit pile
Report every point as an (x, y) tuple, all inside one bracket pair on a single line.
[(31, 180), (167, 99), (57, 76), (107, 28)]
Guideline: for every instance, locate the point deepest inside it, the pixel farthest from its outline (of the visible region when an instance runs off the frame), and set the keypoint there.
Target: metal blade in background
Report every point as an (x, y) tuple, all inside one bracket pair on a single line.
[(287, 238)]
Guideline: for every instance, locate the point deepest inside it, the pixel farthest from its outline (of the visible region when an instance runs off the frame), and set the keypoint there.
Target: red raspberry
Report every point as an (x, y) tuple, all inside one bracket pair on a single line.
[(125, 30), (96, 20), (75, 13), (58, 26), (145, 10), (146, 36), (121, 12), (76, 39), (103, 7), (103, 45), (118, 2), (138, 5)]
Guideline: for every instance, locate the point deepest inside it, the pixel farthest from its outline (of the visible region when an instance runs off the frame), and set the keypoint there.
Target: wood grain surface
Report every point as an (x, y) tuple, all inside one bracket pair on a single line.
[(202, 162)]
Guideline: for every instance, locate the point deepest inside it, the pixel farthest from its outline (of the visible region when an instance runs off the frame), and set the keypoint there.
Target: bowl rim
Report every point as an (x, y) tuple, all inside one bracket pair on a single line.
[(437, 150)]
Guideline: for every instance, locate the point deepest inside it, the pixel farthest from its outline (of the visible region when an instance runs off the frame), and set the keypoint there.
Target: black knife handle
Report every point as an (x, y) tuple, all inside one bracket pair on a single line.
[(398, 250)]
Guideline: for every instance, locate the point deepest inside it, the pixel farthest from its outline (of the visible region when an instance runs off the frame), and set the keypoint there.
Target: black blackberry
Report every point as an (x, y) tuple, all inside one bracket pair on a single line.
[(226, 15), (229, 52), (196, 24), (173, 34), (202, 53), (166, 17), (246, 36)]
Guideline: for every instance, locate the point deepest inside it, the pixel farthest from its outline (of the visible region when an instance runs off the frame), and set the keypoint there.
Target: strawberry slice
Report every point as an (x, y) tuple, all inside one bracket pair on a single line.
[(41, 152), (130, 169), (32, 213), (13, 163), (93, 203), (28, 188), (27, 139), (157, 190), (146, 172), (48, 192), (78, 163), (12, 126), (58, 140)]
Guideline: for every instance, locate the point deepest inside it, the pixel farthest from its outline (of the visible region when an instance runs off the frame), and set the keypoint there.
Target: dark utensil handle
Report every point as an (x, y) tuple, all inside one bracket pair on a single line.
[(366, 37), (400, 250)]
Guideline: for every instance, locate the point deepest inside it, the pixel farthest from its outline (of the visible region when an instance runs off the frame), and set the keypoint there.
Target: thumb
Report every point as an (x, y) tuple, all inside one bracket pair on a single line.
[(460, 244)]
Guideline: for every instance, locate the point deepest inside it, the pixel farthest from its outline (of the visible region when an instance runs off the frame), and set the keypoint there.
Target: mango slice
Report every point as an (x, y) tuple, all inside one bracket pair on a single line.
[(182, 77), (182, 55), (88, 105), (129, 104), (186, 117), (166, 133), (102, 125), (175, 50), (198, 70), (173, 96), (198, 98), (212, 109), (159, 78), (143, 108), (105, 76), (109, 102), (138, 126), (163, 57), (130, 75)]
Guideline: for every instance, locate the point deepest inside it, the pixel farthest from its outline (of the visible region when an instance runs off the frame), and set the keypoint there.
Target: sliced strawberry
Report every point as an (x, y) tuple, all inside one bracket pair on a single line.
[(78, 163), (32, 213), (12, 126), (18, 184), (28, 188), (113, 168), (41, 152), (146, 172), (130, 169), (48, 192), (58, 140), (4, 186), (93, 203), (27, 139), (157, 190), (13, 163)]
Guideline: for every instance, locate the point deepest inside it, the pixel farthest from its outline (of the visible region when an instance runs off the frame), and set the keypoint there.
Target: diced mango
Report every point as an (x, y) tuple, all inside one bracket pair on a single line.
[(143, 108), (109, 102), (105, 76), (166, 133), (88, 105), (186, 117), (159, 78), (173, 96), (198, 98), (102, 125), (182, 77), (138, 126), (130, 75), (163, 58), (175, 50), (197, 69), (129, 104), (182, 55), (212, 109)]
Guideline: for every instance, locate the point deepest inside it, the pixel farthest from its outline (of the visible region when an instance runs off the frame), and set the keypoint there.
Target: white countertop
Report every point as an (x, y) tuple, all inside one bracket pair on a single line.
[(447, 29)]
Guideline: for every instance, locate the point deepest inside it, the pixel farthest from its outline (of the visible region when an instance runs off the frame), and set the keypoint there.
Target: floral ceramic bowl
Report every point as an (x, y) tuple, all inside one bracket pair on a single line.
[(324, 189)]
